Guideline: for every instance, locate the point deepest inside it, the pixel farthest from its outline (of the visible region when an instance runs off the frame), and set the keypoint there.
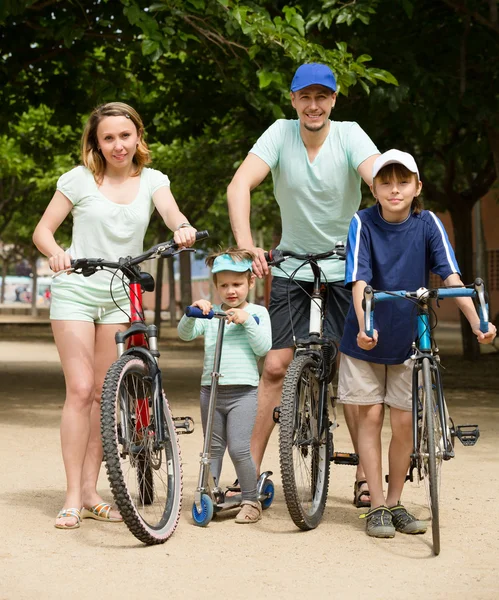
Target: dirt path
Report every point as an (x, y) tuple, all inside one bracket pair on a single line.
[(272, 559)]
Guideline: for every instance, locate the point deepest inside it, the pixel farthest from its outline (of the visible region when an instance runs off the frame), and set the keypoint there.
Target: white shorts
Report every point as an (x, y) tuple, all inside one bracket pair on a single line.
[(361, 382)]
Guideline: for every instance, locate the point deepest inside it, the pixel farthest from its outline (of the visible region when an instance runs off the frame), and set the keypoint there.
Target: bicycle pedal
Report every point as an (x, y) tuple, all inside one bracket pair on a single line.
[(468, 434), (276, 414), (345, 458), (183, 425)]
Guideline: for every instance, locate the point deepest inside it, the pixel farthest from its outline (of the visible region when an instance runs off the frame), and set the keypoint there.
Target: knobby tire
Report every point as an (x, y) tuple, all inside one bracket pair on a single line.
[(145, 478), (305, 487)]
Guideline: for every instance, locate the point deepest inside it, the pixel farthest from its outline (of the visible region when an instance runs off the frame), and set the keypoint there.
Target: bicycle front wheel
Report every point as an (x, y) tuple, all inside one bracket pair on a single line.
[(304, 444), (144, 471), (431, 448)]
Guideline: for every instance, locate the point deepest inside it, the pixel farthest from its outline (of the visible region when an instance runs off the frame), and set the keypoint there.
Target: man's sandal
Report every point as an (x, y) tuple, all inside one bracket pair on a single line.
[(251, 512), (233, 490), (100, 512), (73, 513), (360, 495)]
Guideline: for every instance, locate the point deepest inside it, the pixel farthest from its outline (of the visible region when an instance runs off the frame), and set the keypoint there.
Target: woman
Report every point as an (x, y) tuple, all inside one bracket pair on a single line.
[(111, 198)]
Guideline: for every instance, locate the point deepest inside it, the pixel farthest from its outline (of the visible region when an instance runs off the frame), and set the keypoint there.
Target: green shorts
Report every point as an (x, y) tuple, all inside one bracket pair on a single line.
[(72, 301)]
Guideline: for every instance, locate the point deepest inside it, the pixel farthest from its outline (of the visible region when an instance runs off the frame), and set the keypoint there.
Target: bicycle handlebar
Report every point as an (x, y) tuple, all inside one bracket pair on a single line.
[(88, 266), (423, 294), (197, 313), (275, 257)]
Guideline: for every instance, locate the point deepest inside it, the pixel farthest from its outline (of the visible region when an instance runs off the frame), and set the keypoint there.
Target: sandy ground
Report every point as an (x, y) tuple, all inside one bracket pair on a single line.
[(272, 559)]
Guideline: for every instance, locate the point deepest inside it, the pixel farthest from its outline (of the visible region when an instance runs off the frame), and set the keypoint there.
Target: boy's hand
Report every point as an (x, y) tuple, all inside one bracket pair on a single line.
[(365, 342), (237, 316), (485, 338), (204, 305)]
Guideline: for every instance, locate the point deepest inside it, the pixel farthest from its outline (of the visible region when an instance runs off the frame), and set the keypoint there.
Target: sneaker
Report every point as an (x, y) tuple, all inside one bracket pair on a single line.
[(405, 522), (379, 523)]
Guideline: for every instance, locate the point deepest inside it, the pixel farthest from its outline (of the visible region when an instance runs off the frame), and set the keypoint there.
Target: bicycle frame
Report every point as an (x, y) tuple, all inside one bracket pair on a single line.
[(422, 348), (142, 339)]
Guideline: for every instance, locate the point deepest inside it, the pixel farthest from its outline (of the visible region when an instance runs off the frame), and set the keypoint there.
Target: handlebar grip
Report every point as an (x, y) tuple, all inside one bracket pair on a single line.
[(274, 256), (202, 235), (197, 313), (483, 308), (369, 312)]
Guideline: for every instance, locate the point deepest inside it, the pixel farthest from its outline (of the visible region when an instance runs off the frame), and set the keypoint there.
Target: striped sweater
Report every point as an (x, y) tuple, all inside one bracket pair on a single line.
[(242, 346)]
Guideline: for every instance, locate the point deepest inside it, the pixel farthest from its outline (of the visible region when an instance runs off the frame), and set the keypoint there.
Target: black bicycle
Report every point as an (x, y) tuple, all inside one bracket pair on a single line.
[(306, 432), (139, 433)]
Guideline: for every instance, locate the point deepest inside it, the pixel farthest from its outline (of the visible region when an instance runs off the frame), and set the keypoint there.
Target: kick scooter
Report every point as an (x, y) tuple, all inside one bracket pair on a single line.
[(209, 498)]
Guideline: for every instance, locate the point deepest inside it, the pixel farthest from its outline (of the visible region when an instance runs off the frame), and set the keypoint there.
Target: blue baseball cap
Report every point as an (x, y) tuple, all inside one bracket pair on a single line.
[(225, 262), (313, 74)]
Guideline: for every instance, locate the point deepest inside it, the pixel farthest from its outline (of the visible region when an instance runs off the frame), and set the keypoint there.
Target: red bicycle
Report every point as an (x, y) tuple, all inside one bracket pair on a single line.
[(139, 433)]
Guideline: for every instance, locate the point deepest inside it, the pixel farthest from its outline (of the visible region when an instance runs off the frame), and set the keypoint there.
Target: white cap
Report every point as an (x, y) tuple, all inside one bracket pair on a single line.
[(395, 156)]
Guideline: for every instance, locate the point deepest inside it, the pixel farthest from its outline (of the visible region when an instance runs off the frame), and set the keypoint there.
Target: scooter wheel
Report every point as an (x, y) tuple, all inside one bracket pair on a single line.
[(268, 493), (205, 515)]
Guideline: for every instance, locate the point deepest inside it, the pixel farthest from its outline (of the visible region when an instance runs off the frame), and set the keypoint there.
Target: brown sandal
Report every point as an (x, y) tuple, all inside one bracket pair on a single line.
[(251, 512)]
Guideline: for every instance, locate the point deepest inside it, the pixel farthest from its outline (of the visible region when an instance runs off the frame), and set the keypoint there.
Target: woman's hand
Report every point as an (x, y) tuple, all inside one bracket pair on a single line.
[(204, 305), (365, 342), (237, 316), (185, 236), (60, 261)]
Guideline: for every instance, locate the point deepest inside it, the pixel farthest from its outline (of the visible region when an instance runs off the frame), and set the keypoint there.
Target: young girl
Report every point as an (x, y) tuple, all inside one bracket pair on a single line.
[(245, 341), (111, 198)]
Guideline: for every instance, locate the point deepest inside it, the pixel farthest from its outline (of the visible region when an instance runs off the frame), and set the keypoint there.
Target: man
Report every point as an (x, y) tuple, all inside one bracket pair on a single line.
[(316, 165)]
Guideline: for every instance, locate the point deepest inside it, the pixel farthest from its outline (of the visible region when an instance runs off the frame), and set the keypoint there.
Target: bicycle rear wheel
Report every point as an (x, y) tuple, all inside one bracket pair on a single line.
[(430, 451), (144, 472), (304, 451)]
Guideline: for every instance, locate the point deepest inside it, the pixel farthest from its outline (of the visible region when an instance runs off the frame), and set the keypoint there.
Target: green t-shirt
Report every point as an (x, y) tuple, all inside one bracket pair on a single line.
[(104, 229), (317, 199)]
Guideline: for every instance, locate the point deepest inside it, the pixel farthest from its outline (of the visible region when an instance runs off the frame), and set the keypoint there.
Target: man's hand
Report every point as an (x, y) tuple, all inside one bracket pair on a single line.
[(485, 338), (204, 305), (237, 316), (260, 265), (365, 342)]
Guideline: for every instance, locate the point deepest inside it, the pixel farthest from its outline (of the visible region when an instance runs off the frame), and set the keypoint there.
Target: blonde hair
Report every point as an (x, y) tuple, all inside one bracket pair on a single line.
[(90, 154), (237, 254), (399, 173)]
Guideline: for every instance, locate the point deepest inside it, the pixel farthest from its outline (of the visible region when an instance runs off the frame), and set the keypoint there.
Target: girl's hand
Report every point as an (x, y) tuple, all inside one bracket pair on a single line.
[(204, 305), (485, 338), (365, 342), (237, 316), (60, 261), (185, 236)]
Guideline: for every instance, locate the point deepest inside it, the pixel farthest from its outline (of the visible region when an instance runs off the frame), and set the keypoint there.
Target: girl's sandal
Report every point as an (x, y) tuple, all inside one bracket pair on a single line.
[(251, 512), (66, 513)]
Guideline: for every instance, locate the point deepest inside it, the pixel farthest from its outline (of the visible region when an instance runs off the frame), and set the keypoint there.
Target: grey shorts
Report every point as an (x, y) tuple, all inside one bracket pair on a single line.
[(362, 383), (290, 310)]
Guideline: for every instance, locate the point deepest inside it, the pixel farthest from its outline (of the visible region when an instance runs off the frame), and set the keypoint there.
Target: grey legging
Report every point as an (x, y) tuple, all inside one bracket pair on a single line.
[(232, 427)]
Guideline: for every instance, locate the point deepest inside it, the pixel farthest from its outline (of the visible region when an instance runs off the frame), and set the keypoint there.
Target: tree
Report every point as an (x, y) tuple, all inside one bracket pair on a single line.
[(444, 110)]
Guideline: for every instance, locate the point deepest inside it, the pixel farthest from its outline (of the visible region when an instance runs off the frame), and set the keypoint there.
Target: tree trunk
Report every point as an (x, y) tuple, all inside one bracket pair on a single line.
[(34, 289), (171, 293), (461, 219), (158, 294), (5, 268), (185, 279)]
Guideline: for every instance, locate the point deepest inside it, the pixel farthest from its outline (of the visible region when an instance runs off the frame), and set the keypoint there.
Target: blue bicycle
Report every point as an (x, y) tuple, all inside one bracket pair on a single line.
[(433, 430)]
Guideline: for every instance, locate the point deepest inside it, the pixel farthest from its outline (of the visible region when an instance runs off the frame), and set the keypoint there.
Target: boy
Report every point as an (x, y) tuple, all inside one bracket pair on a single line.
[(245, 341), (392, 245)]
